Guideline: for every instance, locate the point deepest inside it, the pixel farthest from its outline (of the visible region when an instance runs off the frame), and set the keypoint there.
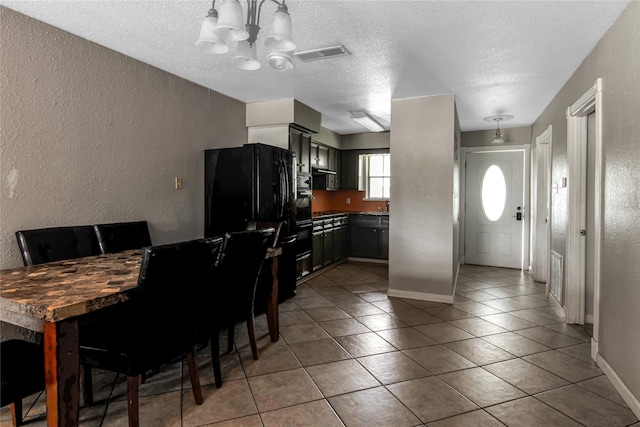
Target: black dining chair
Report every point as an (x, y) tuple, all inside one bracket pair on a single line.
[(43, 245), (121, 236), (161, 322), (21, 374), (236, 277)]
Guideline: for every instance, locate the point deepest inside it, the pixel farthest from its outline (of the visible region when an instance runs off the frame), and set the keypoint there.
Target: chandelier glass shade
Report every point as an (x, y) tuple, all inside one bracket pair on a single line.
[(498, 138), (228, 25)]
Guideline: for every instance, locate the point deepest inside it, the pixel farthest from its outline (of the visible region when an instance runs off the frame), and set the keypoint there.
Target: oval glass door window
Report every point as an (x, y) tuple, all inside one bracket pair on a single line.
[(494, 193)]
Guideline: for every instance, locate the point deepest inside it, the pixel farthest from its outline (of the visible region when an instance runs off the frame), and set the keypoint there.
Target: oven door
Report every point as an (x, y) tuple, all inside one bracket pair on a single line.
[(303, 207)]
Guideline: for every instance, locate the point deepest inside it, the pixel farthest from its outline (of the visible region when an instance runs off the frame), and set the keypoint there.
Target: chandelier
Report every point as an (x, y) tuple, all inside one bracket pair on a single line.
[(498, 138), (220, 29)]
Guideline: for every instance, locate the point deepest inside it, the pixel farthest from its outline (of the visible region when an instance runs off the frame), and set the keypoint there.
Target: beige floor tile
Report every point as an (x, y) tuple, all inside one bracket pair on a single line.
[(374, 296), (361, 309), (431, 399), (230, 367), (526, 376), (343, 298), (588, 408), (528, 412), (476, 295), (443, 332), (305, 291), (372, 407), (415, 317), (502, 305), (478, 351), (313, 302), (515, 344), (477, 308), (294, 317), (168, 379), (364, 344), (448, 313), (341, 327), (232, 400), (392, 305), (288, 305), (341, 377), (379, 322), (477, 326), (404, 338), (160, 409), (564, 366), (275, 358), (303, 332), (250, 421), (551, 339), (275, 391), (321, 314), (481, 387), (508, 321), (312, 414), (601, 386), (438, 359), (575, 331), (393, 367), (529, 302), (360, 287), (477, 418), (536, 316), (579, 351), (321, 351)]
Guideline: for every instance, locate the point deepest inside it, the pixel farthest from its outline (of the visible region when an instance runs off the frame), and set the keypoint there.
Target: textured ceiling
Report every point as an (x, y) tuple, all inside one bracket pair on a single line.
[(497, 57)]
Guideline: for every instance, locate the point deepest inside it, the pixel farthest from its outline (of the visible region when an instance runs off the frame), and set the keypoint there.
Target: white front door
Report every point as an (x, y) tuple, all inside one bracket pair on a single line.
[(494, 208)]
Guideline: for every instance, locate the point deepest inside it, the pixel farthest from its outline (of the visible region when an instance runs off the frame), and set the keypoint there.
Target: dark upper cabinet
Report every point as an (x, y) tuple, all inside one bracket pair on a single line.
[(349, 170), (300, 144)]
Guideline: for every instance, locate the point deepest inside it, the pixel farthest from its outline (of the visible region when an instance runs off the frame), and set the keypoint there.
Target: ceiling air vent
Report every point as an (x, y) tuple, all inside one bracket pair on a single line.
[(322, 53)]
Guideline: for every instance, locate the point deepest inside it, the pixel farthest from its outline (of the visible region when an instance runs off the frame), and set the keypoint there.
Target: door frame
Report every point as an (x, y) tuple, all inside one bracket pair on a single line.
[(463, 193), (541, 244), (575, 285)]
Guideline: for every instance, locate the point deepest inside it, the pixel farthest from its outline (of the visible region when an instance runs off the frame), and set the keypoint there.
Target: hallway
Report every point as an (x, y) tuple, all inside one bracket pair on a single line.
[(349, 355)]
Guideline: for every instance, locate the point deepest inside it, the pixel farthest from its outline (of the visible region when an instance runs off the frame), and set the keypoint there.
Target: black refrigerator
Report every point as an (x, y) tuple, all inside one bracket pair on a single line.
[(255, 181)]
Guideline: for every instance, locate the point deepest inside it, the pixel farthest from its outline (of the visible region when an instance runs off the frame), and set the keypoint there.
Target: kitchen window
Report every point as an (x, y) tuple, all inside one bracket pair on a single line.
[(374, 175)]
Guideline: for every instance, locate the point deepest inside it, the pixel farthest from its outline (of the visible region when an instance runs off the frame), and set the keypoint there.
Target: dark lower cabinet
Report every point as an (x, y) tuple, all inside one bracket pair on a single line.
[(327, 242), (317, 250), (369, 236)]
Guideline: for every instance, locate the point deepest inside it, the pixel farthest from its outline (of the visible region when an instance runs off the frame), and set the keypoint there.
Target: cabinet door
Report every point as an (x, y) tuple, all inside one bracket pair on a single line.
[(317, 250), (323, 157), (365, 241), (384, 242), (305, 153), (334, 160), (337, 244), (349, 170), (328, 247)]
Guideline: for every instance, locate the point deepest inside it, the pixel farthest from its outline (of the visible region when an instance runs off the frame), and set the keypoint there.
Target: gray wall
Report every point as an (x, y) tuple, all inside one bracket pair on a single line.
[(89, 135), (421, 229), (365, 140), (513, 136), (615, 58)]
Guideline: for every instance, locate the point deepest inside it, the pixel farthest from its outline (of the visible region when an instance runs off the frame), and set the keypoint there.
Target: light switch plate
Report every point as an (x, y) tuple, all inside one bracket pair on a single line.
[(178, 183)]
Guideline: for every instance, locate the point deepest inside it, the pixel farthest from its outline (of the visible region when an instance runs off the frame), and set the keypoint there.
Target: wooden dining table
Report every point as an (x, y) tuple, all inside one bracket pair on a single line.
[(54, 298)]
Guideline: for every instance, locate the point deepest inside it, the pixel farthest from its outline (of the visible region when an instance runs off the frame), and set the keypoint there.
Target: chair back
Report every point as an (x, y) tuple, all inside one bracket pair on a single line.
[(254, 224), (243, 253), (56, 244), (121, 236), (169, 297)]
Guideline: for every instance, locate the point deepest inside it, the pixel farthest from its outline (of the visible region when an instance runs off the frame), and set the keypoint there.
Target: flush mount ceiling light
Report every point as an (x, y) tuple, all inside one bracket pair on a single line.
[(219, 29), (498, 138), (367, 121)]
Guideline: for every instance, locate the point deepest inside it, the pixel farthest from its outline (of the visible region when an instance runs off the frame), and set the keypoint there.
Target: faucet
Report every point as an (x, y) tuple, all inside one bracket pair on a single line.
[(387, 205), (379, 209)]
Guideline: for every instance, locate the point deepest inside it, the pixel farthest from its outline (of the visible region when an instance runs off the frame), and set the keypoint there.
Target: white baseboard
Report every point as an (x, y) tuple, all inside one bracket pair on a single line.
[(594, 349), (422, 296), (625, 393), (559, 309), (455, 280)]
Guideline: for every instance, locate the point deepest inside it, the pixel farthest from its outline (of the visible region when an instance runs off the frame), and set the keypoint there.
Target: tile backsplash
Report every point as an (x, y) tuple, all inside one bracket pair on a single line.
[(324, 200)]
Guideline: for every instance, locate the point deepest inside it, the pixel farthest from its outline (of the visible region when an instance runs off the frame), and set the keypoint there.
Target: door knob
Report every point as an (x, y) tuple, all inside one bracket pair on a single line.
[(583, 232)]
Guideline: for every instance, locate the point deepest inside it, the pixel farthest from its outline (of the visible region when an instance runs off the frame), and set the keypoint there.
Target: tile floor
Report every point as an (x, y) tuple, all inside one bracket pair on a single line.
[(351, 356)]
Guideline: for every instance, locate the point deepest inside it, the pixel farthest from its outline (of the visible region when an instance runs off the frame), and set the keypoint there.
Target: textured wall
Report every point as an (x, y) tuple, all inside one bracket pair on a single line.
[(360, 141), (513, 136), (421, 228), (89, 135), (615, 58)]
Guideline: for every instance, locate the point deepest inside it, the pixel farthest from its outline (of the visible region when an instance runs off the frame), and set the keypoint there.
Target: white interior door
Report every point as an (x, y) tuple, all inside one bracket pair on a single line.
[(494, 208)]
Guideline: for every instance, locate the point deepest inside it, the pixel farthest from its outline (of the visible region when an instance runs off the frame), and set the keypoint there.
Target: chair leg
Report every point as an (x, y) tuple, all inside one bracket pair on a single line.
[(215, 358), (231, 330), (192, 363), (252, 337), (87, 384), (16, 412), (133, 386)]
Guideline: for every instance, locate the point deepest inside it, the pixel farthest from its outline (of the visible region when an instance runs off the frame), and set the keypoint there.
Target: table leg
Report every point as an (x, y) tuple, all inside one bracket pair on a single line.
[(62, 363), (272, 303)]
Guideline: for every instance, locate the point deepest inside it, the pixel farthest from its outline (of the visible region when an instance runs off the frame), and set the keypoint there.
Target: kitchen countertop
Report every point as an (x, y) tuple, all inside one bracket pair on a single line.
[(329, 214)]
